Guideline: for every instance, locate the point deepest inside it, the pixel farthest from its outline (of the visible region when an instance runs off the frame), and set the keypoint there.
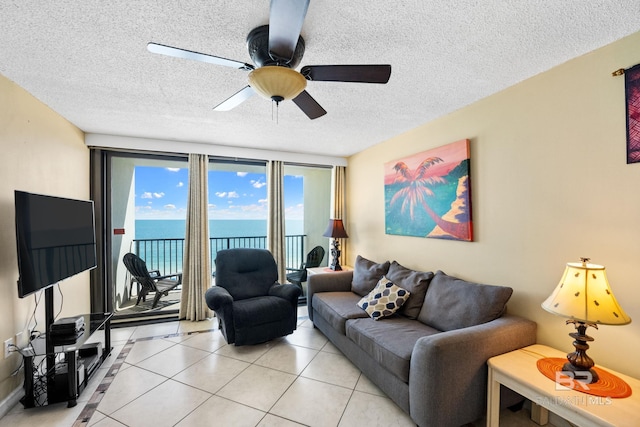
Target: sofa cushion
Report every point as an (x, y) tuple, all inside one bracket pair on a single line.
[(453, 303), (390, 342), (366, 274), (416, 282), (337, 307), (384, 300)]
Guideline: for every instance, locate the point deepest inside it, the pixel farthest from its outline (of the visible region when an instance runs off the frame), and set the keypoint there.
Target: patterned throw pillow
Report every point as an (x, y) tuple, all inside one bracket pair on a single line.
[(384, 300)]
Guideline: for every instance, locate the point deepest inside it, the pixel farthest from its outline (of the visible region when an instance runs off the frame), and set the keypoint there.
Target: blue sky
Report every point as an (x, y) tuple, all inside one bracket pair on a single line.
[(161, 193)]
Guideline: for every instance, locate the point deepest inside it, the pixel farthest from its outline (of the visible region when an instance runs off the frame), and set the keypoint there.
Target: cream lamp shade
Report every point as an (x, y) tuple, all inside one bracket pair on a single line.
[(277, 83), (584, 295)]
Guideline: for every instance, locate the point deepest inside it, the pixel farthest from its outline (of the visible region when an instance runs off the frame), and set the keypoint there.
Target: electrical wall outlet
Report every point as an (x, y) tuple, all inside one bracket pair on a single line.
[(20, 340), (8, 347)]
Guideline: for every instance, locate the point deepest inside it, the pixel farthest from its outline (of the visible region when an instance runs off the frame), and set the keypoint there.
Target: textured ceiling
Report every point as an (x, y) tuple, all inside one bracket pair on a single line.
[(88, 61)]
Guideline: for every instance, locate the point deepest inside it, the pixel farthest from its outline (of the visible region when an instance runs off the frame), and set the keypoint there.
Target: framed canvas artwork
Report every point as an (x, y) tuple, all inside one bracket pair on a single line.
[(428, 194)]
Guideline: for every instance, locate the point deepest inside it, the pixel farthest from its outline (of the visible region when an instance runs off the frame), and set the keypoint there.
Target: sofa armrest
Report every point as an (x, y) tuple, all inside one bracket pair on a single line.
[(454, 364), (339, 281), (217, 298)]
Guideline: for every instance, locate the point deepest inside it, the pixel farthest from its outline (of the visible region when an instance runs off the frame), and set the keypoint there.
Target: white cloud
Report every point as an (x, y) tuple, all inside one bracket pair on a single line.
[(180, 184), (228, 194), (252, 208), (150, 195), (258, 183), (262, 201), (254, 211), (173, 169), (168, 211), (242, 174), (294, 212)]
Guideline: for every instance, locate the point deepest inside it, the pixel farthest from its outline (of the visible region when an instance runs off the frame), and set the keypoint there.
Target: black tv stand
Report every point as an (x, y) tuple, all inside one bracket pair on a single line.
[(65, 380)]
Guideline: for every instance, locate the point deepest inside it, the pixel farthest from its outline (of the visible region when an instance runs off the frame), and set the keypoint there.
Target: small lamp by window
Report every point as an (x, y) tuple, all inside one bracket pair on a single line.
[(584, 296), (335, 230)]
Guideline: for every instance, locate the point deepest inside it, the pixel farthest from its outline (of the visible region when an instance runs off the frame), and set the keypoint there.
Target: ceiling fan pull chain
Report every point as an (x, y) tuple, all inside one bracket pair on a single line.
[(273, 101)]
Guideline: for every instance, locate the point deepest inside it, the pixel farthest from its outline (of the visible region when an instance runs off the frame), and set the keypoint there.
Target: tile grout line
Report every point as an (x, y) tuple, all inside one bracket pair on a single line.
[(92, 404)]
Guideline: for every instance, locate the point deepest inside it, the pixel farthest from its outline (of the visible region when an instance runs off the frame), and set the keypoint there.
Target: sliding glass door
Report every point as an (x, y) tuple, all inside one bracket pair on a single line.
[(237, 205), (146, 197), (307, 191)]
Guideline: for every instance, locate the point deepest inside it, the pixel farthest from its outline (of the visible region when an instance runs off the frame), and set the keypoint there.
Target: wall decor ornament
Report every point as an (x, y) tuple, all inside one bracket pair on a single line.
[(428, 194), (632, 90)]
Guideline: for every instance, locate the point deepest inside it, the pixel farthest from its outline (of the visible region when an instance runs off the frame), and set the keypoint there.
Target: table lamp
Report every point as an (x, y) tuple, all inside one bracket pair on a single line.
[(584, 296), (335, 230)]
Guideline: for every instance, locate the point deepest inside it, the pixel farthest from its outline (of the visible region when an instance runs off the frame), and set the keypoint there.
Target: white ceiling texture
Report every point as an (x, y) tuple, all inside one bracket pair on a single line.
[(88, 61)]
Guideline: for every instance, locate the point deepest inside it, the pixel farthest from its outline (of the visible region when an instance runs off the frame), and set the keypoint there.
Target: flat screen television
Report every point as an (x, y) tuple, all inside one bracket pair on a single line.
[(55, 238)]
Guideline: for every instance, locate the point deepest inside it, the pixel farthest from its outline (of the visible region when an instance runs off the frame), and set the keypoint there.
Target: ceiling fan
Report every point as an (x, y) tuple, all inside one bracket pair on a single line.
[(276, 49)]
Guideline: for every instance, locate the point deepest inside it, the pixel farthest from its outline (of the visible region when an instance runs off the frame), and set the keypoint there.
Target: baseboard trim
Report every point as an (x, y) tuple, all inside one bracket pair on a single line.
[(10, 401)]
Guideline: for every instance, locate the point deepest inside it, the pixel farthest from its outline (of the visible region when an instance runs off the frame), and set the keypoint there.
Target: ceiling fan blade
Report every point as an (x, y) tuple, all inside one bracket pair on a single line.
[(347, 73), (285, 23), (196, 56), (308, 105), (236, 99)]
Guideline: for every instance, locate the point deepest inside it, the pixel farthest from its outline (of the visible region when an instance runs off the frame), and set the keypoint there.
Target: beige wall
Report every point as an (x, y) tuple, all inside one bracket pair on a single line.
[(41, 153), (550, 184)]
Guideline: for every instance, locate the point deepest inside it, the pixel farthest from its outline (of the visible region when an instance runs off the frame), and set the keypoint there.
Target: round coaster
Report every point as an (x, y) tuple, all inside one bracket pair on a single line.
[(608, 385)]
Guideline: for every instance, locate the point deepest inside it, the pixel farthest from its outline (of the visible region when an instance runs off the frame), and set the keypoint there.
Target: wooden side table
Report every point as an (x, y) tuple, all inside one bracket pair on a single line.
[(517, 370)]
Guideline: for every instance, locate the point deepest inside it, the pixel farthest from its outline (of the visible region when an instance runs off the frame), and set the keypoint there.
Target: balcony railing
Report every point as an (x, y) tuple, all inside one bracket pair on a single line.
[(166, 254)]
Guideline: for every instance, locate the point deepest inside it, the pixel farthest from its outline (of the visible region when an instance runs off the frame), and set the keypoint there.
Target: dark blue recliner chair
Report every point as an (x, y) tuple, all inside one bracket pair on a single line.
[(251, 306)]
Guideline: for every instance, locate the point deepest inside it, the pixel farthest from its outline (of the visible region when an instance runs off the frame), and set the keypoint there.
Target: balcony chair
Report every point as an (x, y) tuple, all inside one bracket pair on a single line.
[(149, 281), (251, 306), (314, 258)]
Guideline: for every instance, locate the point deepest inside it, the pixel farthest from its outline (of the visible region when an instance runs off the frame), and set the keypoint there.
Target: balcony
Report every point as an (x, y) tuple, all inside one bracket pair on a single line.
[(166, 255)]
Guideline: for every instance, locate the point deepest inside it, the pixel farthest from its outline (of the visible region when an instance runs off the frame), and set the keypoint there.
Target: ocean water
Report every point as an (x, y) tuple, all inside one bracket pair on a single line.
[(175, 228), (167, 255)]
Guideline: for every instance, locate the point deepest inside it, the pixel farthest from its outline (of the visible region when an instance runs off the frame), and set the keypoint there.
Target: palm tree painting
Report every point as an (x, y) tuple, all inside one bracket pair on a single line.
[(429, 194)]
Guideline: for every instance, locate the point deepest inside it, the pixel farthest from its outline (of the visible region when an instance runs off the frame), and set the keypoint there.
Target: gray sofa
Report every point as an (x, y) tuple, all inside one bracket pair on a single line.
[(430, 356)]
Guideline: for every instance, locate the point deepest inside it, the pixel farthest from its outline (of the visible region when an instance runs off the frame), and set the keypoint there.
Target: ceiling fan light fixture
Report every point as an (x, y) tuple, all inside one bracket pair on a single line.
[(277, 83)]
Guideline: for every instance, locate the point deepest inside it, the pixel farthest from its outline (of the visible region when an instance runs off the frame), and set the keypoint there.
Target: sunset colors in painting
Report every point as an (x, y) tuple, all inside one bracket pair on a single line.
[(428, 194)]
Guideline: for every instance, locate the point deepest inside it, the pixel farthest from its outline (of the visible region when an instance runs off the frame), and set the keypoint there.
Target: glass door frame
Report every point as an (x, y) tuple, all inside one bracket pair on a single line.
[(111, 266)]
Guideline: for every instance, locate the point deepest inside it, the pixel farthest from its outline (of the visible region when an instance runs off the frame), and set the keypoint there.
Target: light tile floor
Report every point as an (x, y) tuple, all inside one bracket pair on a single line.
[(176, 375)]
